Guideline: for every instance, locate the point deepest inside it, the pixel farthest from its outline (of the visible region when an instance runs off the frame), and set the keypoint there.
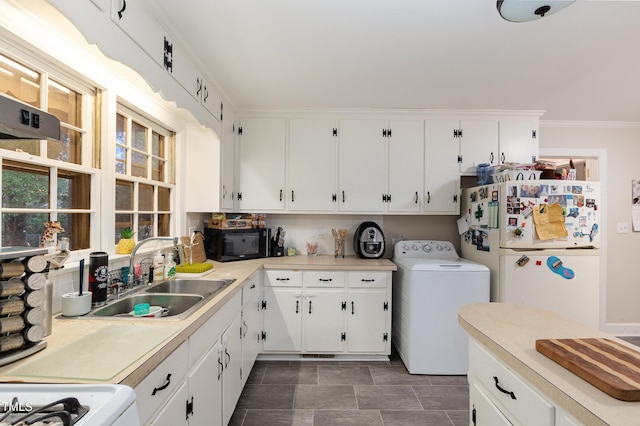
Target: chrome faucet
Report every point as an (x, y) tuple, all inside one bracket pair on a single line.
[(174, 240)]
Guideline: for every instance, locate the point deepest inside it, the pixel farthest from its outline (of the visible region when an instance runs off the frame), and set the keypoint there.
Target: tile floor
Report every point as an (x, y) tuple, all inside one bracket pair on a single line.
[(334, 393)]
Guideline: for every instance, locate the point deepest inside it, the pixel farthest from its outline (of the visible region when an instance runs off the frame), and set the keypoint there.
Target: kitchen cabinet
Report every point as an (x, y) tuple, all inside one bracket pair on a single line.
[(261, 163), (318, 312), (368, 312), (406, 165), (311, 183), (203, 192), (518, 141), (478, 141), (499, 396), (362, 168), (230, 357), (227, 165), (441, 174), (251, 324)]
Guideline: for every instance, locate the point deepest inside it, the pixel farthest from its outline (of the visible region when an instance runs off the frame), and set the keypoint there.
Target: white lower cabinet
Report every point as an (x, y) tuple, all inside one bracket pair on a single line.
[(498, 396), (230, 355), (251, 324), (327, 312)]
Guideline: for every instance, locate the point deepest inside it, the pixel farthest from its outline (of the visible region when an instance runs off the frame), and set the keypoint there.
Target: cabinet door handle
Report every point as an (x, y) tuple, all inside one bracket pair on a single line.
[(428, 197), (121, 11), (491, 158), (502, 158), (416, 199), (343, 196), (245, 328), (226, 353), (353, 308), (163, 387), (293, 196), (281, 195), (503, 390), (252, 287), (309, 306), (220, 367), (297, 306)]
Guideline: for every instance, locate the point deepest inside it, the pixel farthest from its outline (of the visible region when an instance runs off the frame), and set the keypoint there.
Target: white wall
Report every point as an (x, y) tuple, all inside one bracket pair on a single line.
[(621, 143)]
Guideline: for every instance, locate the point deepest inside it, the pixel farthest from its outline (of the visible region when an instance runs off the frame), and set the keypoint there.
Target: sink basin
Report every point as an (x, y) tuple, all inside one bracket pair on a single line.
[(179, 305), (189, 286)]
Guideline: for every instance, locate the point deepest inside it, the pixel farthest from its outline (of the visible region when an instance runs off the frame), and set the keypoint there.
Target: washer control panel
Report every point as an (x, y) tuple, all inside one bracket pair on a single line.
[(425, 249)]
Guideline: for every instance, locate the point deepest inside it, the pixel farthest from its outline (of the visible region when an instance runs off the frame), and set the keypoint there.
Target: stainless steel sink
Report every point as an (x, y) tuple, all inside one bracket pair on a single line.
[(189, 286), (179, 305)]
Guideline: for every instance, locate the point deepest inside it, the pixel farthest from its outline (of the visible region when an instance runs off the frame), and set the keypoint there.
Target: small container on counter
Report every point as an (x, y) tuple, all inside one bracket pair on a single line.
[(98, 275)]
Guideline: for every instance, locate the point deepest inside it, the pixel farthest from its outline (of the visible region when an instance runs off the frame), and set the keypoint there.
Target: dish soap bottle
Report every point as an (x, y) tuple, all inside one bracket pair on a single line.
[(169, 268), (158, 267)]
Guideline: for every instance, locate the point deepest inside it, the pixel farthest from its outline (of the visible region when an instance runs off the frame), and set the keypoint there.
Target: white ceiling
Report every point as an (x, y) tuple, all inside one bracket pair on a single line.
[(582, 63)]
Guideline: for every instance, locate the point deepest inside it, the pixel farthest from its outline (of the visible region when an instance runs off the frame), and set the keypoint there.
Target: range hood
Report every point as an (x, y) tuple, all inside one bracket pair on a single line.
[(22, 121)]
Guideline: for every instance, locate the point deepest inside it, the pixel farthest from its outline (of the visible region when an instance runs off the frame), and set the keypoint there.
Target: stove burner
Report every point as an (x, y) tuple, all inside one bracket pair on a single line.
[(65, 412)]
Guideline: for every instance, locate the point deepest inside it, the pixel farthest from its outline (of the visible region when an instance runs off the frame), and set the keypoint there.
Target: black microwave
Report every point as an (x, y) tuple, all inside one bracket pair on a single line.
[(226, 245)]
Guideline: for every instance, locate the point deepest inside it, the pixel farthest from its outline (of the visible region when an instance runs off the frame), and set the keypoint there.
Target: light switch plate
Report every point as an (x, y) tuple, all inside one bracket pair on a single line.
[(623, 227)]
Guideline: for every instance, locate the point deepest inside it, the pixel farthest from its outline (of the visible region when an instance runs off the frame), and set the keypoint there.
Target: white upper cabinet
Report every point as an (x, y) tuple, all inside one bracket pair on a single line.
[(261, 163), (227, 166), (202, 173), (406, 165), (312, 165), (362, 173), (441, 175), (518, 141), (133, 17), (478, 143)]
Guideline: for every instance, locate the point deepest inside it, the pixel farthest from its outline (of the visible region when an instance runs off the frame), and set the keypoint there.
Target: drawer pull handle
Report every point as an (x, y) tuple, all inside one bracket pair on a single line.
[(252, 287), (325, 280), (166, 385), (503, 390), (366, 281), (282, 279)]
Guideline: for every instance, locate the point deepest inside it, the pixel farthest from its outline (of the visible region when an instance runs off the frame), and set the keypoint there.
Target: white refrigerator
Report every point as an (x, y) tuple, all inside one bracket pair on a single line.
[(541, 241)]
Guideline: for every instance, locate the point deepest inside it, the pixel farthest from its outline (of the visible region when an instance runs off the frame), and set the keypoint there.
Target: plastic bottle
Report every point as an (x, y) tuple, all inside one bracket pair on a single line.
[(169, 267), (158, 267)]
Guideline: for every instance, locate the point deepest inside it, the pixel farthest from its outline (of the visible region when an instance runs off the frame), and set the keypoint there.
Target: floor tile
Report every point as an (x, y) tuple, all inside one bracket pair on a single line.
[(290, 374), (415, 418), (238, 417), (325, 397), (344, 375), (397, 375), (267, 396), (459, 418), (278, 418), (386, 398), (347, 418), (443, 397), (449, 380), (257, 372)]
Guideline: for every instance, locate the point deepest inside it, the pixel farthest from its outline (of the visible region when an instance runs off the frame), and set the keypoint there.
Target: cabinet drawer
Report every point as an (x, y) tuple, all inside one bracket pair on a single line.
[(211, 330), (283, 279), (323, 279), (368, 279), (250, 289), (518, 398), (149, 396)]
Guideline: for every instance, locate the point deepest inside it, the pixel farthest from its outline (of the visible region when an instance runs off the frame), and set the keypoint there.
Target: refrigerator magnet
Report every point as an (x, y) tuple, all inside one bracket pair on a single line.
[(555, 264), (523, 260)]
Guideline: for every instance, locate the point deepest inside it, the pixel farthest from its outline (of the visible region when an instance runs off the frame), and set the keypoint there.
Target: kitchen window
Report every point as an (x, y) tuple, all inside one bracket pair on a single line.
[(145, 181), (45, 180)]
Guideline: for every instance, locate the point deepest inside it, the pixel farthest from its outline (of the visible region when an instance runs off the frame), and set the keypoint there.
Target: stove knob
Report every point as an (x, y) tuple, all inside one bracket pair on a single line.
[(426, 248), (405, 248), (414, 248), (447, 248), (439, 247)]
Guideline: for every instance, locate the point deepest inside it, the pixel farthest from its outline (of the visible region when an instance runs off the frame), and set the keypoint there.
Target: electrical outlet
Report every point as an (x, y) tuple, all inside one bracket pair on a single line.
[(320, 234), (623, 227)]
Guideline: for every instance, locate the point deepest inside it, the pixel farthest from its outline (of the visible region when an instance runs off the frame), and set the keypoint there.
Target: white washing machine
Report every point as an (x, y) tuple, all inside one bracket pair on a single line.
[(429, 287)]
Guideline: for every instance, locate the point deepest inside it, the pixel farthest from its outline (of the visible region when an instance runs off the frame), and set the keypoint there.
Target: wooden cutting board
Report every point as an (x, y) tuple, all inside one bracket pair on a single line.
[(611, 367), (199, 254)]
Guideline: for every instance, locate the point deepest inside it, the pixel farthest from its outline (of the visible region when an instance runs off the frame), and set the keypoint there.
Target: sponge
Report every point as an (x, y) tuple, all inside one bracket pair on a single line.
[(194, 268)]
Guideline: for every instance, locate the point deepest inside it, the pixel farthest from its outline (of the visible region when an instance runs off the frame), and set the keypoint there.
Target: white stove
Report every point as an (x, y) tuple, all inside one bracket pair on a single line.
[(68, 404)]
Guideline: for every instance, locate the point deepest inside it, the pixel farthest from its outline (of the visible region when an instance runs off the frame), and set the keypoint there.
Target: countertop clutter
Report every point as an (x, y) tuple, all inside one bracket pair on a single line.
[(126, 350), (509, 333)]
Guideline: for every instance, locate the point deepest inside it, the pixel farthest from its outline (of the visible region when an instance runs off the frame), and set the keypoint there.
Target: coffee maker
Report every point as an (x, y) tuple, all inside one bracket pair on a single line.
[(368, 241)]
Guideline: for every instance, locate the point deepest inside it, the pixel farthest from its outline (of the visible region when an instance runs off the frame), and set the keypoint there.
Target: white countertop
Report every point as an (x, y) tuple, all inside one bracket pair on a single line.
[(510, 333), (130, 370)]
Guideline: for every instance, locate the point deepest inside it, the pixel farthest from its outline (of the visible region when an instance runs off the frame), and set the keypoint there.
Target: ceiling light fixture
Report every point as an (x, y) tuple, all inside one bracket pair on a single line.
[(529, 10)]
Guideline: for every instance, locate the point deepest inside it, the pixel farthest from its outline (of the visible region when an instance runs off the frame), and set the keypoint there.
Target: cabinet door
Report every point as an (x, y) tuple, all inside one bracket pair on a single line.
[(138, 23), (323, 320), (227, 164), (406, 165), (362, 162), (205, 390), (202, 173), (312, 165), (478, 144), (441, 174), (231, 377), (367, 311), (283, 319), (261, 164), (518, 141), (173, 412), (482, 411), (251, 336)]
